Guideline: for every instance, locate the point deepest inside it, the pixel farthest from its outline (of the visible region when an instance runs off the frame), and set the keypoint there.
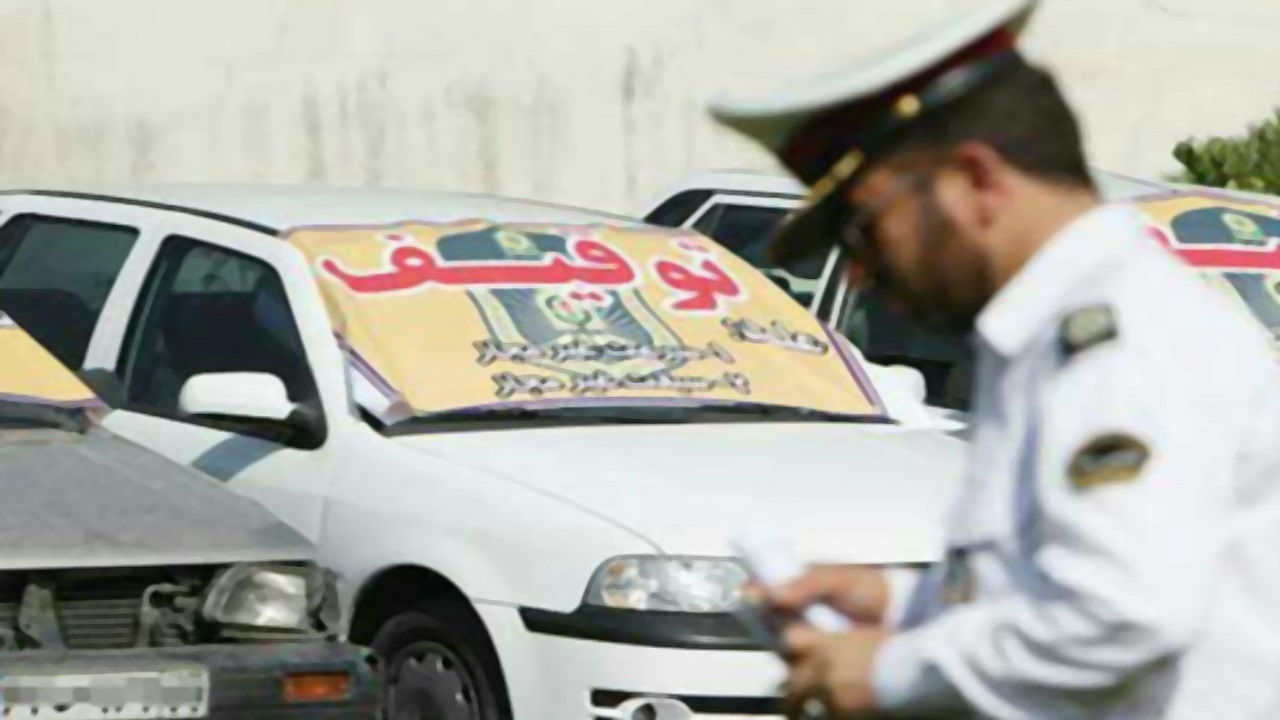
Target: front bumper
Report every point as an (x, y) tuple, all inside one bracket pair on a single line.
[(246, 682), (555, 668)]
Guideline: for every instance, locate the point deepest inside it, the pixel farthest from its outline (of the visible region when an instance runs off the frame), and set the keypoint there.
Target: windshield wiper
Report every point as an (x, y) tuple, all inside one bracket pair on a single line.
[(21, 416), (622, 414), (525, 416), (788, 412)]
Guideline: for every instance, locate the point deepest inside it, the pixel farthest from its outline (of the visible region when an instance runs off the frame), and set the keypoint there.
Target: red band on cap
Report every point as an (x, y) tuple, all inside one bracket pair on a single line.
[(818, 143)]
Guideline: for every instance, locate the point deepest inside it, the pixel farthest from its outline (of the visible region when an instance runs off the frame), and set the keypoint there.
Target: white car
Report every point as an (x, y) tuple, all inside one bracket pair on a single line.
[(522, 442), (740, 209)]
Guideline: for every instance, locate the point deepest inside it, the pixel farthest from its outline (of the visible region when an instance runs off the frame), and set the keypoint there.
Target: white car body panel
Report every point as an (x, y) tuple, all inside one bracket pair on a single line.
[(688, 488), (493, 511), (484, 529), (550, 662)]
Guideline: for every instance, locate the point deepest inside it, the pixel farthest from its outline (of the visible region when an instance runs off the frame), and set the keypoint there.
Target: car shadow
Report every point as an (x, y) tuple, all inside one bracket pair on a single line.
[(233, 456)]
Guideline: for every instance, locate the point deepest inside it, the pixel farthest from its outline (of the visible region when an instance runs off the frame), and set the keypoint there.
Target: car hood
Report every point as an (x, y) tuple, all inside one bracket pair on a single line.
[(97, 500), (845, 492)]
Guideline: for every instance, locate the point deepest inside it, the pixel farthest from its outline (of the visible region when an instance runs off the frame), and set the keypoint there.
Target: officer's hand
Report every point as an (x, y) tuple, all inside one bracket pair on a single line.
[(858, 591), (833, 669)]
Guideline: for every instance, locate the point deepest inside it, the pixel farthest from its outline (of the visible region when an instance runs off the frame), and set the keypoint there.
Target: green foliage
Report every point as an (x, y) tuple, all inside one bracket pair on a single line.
[(1249, 162)]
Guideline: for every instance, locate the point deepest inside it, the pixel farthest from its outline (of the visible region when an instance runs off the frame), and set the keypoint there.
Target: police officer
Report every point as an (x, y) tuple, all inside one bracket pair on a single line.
[(1115, 549)]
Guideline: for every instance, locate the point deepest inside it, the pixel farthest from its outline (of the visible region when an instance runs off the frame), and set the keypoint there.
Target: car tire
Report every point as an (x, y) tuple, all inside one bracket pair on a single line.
[(439, 665)]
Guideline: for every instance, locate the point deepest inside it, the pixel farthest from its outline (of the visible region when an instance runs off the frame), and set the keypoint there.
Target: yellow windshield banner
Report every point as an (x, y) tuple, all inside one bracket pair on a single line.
[(29, 374), (447, 317), (1232, 242), (1210, 230)]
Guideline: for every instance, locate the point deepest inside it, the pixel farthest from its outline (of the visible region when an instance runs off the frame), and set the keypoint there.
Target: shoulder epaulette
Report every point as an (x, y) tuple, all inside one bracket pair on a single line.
[(1085, 328)]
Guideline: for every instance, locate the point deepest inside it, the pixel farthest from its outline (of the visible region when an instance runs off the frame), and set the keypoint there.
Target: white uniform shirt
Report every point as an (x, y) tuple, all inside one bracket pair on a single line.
[(1138, 589)]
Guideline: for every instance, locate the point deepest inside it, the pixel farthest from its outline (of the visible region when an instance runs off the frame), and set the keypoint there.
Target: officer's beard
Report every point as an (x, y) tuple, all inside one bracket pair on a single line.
[(943, 300)]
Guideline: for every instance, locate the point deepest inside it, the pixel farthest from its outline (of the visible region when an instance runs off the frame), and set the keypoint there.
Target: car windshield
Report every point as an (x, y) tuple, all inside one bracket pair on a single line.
[(36, 391), (1234, 242), (883, 335), (747, 230), (476, 323)]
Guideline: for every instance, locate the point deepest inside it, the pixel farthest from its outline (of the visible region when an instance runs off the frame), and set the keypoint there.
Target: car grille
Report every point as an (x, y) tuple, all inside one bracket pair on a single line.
[(94, 610), (100, 615), (10, 599)]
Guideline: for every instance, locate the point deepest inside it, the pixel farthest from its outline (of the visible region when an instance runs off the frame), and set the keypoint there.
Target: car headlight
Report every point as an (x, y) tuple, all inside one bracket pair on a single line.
[(668, 584), (297, 598)]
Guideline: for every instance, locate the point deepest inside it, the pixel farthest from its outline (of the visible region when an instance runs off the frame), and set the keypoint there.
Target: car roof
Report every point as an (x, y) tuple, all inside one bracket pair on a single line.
[(1113, 185), (277, 207), (769, 182)]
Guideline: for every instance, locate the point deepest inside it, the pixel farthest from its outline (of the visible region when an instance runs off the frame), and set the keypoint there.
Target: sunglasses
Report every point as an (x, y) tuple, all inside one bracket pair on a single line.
[(856, 225)]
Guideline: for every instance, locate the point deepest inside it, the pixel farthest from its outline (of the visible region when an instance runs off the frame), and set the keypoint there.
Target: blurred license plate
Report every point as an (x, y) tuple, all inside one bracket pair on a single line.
[(177, 693)]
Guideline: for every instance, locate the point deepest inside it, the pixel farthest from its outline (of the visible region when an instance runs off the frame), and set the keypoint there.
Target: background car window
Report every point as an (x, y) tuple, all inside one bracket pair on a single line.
[(55, 275), (206, 269), (887, 337), (206, 309), (746, 230), (678, 208)]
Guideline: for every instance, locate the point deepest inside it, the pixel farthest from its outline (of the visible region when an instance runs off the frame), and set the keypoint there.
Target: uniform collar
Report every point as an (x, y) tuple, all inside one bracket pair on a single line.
[(1031, 299)]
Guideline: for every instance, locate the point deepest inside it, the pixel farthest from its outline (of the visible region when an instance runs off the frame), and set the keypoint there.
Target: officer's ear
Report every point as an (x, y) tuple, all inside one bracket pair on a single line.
[(973, 185)]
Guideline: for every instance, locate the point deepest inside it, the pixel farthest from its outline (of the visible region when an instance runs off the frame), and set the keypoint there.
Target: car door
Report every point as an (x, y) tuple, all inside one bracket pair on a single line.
[(217, 298), (65, 264)]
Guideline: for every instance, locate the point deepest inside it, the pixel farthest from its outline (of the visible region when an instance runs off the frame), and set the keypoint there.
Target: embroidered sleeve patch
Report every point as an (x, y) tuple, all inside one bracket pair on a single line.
[(1085, 328), (1108, 459)]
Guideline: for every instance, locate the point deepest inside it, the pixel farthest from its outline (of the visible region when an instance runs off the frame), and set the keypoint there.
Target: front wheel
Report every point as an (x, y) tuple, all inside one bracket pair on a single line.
[(438, 669)]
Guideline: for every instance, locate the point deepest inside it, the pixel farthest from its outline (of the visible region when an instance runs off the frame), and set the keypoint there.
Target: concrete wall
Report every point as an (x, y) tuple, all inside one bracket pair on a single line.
[(591, 102)]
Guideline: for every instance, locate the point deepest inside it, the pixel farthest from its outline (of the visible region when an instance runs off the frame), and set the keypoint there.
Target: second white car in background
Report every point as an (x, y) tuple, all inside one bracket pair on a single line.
[(740, 210)]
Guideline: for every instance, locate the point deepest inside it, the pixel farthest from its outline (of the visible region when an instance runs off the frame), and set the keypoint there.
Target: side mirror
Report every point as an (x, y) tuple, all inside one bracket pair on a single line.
[(247, 396), (256, 404)]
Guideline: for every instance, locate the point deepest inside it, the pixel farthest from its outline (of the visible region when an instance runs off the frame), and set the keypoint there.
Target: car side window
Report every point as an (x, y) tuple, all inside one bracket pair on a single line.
[(207, 309), (55, 276), (746, 230), (888, 337)]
